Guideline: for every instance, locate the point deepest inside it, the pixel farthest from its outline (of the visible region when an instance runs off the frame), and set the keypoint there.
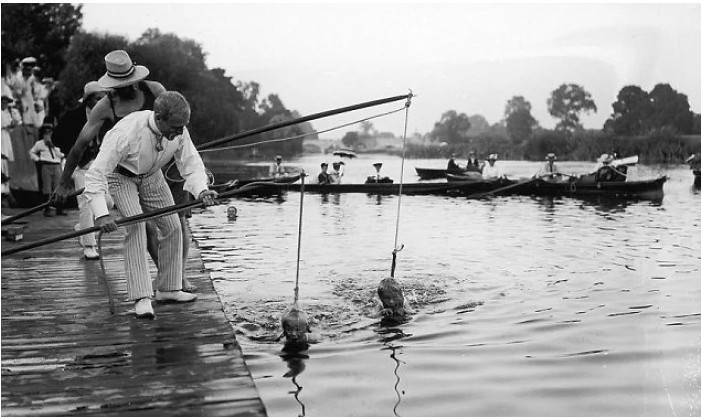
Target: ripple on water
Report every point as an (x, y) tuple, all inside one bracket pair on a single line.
[(557, 304)]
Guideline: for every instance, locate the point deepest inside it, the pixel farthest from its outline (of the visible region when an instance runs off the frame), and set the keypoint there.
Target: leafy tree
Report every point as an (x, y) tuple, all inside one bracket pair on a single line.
[(631, 112), (636, 112), (452, 128), (670, 109), (41, 30), (179, 64), (367, 130), (566, 103), (351, 139), (518, 118), (478, 125), (85, 62), (696, 129)]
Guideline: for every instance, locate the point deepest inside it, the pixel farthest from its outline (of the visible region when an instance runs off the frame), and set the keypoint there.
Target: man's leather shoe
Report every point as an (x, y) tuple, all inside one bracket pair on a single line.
[(174, 297), (90, 253), (143, 309)]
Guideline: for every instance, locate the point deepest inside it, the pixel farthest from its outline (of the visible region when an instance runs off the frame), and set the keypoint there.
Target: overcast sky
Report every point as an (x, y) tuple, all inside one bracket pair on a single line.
[(467, 57)]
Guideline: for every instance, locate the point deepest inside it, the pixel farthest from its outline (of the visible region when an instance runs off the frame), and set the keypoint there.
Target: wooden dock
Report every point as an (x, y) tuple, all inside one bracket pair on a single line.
[(63, 353)]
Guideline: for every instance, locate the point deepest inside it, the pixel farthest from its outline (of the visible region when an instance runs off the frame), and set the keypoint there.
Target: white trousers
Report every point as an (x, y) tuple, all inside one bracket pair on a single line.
[(134, 196), (85, 215)]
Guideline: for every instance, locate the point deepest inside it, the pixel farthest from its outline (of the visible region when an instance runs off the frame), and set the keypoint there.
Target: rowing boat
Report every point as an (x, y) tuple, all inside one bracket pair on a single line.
[(647, 189), (443, 188), (431, 173)]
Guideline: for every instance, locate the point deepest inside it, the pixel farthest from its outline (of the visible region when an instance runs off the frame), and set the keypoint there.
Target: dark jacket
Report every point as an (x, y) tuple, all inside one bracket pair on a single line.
[(324, 178)]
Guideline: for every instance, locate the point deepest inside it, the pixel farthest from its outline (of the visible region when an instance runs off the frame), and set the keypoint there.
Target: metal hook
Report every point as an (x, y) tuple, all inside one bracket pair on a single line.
[(408, 99)]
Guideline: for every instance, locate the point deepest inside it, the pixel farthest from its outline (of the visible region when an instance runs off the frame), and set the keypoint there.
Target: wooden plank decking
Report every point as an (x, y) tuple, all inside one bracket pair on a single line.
[(63, 353)]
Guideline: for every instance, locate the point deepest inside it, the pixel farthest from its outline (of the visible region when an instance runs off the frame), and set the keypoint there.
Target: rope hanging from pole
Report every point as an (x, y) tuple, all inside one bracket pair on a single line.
[(401, 183), (299, 234)]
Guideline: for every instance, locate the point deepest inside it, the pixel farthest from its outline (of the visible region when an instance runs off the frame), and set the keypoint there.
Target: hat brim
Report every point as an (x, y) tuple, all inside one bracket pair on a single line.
[(140, 72)]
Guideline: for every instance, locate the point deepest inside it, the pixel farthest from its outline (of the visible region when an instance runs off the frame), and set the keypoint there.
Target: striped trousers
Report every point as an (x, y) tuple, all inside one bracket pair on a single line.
[(134, 196)]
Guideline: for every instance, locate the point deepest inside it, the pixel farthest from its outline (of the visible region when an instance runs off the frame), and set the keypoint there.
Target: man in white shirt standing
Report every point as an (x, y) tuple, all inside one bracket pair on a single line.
[(130, 160)]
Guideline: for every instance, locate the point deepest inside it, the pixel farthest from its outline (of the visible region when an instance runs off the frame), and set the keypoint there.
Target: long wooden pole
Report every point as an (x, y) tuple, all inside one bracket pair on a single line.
[(249, 133), (303, 119), (133, 219), (8, 220)]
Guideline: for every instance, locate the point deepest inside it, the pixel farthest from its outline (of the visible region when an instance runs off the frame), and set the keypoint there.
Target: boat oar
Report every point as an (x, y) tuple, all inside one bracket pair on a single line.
[(26, 213), (519, 184), (131, 220), (508, 187)]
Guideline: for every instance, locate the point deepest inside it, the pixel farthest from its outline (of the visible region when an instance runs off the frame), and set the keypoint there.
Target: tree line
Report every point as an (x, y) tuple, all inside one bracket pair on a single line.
[(221, 105), (652, 125)]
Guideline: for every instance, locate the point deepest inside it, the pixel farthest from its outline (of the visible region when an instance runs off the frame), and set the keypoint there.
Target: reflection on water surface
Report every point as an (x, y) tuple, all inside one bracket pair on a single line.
[(523, 306)]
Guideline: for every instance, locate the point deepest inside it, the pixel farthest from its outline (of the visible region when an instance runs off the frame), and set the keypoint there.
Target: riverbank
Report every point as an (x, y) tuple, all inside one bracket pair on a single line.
[(64, 353)]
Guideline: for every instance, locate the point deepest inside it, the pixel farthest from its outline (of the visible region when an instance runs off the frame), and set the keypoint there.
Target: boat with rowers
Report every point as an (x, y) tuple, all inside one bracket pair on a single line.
[(575, 187)]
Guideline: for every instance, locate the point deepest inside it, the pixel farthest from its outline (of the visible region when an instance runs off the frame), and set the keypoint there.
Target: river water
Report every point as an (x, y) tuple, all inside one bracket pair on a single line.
[(522, 306)]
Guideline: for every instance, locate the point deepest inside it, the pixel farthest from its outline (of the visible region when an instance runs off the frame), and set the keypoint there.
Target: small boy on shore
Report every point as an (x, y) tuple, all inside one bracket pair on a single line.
[(50, 157)]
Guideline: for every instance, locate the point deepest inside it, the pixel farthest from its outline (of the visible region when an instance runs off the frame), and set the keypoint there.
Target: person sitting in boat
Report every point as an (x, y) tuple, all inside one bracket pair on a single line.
[(694, 162), (324, 176), (337, 173), (473, 164), (605, 171), (453, 167), (549, 171), (276, 169), (377, 177), (491, 171)]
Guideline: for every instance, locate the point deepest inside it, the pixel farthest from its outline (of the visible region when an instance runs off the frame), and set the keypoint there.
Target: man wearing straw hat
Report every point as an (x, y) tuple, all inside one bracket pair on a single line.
[(492, 171), (130, 93), (130, 160), (549, 171)]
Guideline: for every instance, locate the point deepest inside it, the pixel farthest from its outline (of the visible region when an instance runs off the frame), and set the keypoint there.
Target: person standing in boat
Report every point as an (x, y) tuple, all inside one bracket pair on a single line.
[(473, 164), (131, 159), (276, 168), (491, 171), (550, 171), (324, 177)]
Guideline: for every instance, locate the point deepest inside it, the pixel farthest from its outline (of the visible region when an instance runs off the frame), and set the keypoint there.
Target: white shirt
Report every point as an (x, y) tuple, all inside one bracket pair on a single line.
[(41, 152), (131, 143), (490, 172), (277, 170), (547, 169)]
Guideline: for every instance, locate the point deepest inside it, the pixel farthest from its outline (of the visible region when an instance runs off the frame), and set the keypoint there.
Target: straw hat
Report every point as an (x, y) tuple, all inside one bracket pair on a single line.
[(93, 87), (605, 158), (30, 60), (492, 157), (121, 71), (550, 156)]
